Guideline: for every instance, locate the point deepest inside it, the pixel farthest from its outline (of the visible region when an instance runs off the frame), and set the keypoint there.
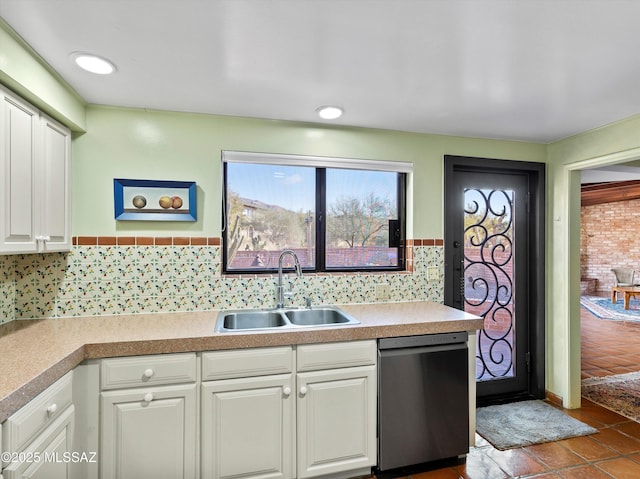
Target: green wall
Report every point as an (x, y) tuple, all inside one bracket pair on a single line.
[(615, 143), (159, 145)]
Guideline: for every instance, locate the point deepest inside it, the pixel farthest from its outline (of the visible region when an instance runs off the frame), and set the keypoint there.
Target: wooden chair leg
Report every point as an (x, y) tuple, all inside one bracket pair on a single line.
[(627, 297)]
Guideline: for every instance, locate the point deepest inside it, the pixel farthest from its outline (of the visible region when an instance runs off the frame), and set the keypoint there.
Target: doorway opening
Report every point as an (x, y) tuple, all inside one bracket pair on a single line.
[(565, 267), (609, 332)]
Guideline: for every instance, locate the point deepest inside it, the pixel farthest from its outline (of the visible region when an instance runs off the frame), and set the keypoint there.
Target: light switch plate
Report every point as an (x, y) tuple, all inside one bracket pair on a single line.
[(382, 291), (433, 274)]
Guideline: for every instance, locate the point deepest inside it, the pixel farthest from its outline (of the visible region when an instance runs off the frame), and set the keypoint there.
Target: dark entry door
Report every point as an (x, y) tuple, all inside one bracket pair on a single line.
[(491, 271)]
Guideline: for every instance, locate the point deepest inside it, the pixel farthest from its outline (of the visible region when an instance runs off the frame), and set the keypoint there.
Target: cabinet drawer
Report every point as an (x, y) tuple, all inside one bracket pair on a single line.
[(242, 363), (135, 371), (20, 428), (54, 442), (313, 357)]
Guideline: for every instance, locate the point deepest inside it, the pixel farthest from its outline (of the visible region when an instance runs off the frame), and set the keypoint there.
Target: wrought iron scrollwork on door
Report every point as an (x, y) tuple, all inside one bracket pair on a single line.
[(488, 278)]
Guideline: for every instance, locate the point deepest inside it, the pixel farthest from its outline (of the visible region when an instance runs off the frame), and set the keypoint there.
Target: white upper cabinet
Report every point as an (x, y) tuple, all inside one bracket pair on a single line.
[(18, 161), (54, 181), (35, 154)]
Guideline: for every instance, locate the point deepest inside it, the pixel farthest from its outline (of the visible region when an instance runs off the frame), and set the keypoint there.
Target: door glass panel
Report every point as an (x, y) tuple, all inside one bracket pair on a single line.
[(489, 278)]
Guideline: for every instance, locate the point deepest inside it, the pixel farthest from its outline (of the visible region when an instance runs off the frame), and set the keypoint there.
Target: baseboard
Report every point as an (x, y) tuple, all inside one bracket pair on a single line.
[(553, 398)]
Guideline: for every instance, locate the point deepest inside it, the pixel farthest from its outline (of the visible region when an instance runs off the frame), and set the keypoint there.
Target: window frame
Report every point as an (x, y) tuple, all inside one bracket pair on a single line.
[(320, 164)]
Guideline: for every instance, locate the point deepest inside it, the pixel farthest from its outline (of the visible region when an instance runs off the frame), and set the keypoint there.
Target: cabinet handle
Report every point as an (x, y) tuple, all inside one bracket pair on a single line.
[(287, 392), (303, 390), (148, 373), (51, 410), (148, 397)]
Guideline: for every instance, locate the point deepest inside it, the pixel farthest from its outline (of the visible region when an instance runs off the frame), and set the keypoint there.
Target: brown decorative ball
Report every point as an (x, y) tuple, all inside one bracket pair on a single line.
[(139, 201), (176, 202)]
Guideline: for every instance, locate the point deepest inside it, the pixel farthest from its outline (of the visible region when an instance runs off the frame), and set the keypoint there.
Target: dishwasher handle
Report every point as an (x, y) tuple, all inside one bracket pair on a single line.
[(423, 340), (389, 353)]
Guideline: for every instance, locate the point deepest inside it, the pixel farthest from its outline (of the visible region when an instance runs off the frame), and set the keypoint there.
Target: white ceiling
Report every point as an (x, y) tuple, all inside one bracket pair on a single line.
[(531, 70), (624, 172)]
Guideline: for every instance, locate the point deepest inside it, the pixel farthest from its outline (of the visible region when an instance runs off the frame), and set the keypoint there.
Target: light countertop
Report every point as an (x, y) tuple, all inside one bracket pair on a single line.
[(35, 353)]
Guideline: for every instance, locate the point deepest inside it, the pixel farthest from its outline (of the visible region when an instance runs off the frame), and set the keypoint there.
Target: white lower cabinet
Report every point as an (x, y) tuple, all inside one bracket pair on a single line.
[(149, 430), (268, 413), (47, 457), (247, 428), (37, 439), (257, 413), (267, 425), (336, 420)]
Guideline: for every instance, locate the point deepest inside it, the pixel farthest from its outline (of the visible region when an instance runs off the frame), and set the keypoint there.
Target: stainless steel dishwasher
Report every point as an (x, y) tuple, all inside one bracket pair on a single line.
[(423, 399)]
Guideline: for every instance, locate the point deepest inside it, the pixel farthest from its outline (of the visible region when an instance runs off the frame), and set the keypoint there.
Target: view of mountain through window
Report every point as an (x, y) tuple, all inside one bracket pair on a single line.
[(270, 208)]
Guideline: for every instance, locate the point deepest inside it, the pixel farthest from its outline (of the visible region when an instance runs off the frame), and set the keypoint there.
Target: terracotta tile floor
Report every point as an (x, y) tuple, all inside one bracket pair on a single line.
[(608, 347)]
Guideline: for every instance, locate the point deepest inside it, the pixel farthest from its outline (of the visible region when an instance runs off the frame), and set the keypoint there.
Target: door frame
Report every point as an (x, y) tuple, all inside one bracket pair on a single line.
[(564, 294), (536, 173)]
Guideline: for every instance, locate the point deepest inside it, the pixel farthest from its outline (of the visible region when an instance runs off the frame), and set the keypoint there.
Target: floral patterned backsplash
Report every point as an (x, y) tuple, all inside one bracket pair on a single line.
[(130, 279)]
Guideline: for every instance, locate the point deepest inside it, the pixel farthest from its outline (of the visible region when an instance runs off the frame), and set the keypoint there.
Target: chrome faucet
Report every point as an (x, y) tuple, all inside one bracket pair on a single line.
[(281, 293)]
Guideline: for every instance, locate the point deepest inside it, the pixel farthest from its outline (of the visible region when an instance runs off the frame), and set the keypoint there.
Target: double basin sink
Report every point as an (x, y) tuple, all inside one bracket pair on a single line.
[(260, 319)]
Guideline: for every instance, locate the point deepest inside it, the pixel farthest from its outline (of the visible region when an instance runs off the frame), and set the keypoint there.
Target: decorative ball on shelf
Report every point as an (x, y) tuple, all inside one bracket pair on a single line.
[(139, 201), (176, 202), (165, 202)]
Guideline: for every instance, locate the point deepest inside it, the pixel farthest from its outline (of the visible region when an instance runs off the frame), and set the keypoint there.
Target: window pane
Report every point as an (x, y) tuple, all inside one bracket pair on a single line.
[(359, 206), (270, 208)]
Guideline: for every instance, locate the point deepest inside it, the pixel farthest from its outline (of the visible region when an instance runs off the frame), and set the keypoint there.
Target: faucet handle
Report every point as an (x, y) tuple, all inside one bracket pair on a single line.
[(308, 302)]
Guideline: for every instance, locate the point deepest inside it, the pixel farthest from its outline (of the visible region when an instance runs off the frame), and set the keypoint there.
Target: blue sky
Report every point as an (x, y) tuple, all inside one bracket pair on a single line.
[(293, 187)]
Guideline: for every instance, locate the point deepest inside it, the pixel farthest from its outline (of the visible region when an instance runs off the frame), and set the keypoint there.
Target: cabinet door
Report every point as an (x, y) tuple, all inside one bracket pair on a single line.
[(18, 156), (149, 432), (46, 454), (247, 428), (336, 420), (54, 192)]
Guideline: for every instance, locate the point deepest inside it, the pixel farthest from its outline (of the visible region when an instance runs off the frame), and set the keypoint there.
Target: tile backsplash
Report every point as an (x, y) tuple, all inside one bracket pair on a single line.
[(169, 276)]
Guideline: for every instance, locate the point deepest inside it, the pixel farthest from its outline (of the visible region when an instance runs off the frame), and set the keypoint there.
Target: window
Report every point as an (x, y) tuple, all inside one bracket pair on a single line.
[(336, 214)]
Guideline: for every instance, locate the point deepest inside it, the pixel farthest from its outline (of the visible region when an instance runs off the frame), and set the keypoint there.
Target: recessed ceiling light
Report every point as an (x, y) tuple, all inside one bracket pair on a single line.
[(93, 63), (329, 112)]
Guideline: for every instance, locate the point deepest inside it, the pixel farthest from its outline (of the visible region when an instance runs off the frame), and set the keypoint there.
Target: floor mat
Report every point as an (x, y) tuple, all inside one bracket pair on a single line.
[(603, 308), (619, 393), (518, 424)]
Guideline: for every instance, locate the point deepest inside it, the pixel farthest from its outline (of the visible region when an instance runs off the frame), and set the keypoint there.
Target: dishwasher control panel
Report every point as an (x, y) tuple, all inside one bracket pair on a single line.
[(423, 340)]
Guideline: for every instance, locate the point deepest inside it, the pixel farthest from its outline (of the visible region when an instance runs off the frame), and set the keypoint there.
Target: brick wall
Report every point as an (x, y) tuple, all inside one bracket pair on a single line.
[(610, 238)]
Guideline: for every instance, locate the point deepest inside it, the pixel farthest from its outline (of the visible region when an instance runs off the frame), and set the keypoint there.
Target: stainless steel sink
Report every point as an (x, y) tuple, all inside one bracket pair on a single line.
[(261, 319), (252, 320), (317, 316)]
